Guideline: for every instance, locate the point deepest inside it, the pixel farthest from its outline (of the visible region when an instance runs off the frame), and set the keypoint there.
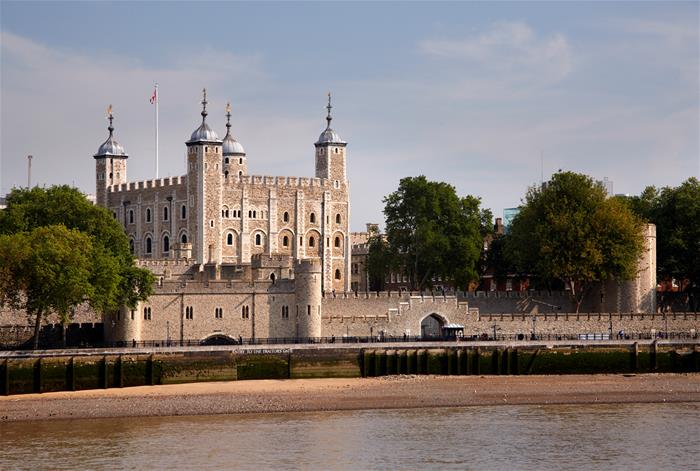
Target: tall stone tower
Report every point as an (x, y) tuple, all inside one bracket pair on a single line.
[(307, 290), (110, 164), (204, 180), (235, 162), (330, 165)]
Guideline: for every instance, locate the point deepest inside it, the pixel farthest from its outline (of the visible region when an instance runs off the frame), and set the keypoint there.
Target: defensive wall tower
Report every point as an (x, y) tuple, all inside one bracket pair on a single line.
[(125, 326), (639, 294), (307, 290), (110, 164)]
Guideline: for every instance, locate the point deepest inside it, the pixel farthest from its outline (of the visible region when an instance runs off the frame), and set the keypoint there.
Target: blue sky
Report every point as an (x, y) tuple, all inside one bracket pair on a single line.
[(485, 96)]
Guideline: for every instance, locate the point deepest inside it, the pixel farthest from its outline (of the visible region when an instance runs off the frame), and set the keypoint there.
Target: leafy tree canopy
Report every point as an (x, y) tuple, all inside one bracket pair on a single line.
[(568, 230), (676, 212), (433, 232), (58, 251)]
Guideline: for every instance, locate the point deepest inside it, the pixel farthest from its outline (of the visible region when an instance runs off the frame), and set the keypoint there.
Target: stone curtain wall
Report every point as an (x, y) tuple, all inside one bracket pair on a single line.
[(374, 313)]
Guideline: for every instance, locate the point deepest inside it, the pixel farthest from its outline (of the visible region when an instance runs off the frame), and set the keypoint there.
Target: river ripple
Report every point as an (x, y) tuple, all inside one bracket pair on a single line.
[(621, 436)]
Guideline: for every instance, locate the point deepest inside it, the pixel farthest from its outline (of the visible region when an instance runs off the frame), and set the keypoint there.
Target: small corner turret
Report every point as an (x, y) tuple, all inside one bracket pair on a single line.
[(235, 163)]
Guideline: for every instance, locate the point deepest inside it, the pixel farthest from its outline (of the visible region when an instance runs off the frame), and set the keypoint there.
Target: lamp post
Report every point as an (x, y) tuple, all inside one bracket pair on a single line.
[(495, 327)]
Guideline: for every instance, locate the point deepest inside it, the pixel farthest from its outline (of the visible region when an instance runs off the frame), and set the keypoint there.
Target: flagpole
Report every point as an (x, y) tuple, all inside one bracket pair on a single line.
[(157, 100)]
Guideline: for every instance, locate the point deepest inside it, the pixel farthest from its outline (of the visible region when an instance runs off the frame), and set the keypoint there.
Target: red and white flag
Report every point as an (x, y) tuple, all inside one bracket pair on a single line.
[(154, 98)]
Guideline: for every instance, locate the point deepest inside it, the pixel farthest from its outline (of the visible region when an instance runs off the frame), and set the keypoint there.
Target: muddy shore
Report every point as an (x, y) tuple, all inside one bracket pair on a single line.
[(348, 394)]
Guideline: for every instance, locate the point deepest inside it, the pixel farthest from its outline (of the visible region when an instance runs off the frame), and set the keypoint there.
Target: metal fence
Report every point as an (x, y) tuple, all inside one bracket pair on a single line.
[(224, 340)]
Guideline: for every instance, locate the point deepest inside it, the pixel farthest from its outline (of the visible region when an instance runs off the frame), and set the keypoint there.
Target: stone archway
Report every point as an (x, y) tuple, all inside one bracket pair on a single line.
[(431, 326), (219, 339)]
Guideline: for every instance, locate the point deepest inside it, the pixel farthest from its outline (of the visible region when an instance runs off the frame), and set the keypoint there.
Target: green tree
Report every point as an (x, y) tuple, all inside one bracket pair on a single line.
[(114, 280), (569, 231), (49, 269), (432, 232), (380, 261), (676, 212)]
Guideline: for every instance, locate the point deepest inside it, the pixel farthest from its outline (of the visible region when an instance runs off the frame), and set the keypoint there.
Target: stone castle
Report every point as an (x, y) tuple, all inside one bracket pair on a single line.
[(244, 256), (240, 256)]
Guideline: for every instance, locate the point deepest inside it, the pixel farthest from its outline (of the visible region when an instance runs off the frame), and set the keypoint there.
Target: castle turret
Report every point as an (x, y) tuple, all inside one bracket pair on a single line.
[(330, 165), (235, 162), (204, 179), (307, 289), (110, 164), (330, 153)]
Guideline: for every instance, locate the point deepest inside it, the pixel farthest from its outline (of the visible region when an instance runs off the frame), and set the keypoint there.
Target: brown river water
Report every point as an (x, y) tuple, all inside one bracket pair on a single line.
[(556, 437)]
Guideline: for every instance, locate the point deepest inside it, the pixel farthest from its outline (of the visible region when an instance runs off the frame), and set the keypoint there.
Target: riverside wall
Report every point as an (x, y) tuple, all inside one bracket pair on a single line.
[(39, 372)]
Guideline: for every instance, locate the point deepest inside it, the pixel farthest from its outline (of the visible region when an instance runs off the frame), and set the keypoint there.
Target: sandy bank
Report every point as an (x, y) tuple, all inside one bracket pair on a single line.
[(346, 394)]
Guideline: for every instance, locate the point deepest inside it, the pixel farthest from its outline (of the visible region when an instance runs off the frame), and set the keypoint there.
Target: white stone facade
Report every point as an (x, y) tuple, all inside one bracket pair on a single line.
[(218, 214)]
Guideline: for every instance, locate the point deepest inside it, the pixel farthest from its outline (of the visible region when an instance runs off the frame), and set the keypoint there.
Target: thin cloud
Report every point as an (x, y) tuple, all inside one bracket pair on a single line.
[(512, 47), (53, 102), (674, 32)]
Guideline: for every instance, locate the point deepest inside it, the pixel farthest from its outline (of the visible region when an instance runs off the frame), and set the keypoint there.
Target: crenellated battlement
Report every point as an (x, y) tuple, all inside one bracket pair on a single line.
[(272, 181), (462, 295), (146, 184)]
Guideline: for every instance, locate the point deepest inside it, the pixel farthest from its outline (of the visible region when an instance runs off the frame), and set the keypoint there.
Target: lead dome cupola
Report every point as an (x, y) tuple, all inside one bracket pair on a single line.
[(204, 133), (110, 147), (329, 136), (230, 145)]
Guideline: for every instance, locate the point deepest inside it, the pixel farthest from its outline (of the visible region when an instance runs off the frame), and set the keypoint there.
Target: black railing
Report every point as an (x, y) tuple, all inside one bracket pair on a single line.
[(225, 340)]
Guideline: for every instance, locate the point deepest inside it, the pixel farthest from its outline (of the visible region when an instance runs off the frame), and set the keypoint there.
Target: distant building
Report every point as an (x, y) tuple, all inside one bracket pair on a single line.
[(607, 185), (359, 243), (508, 216)]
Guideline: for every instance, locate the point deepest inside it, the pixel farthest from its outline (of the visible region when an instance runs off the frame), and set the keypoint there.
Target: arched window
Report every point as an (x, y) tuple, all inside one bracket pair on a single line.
[(272, 278), (285, 217), (131, 245), (337, 242), (337, 218), (226, 161), (165, 213), (240, 174), (250, 213), (311, 241), (166, 244), (183, 212), (131, 216), (183, 238), (258, 239), (149, 245), (312, 218), (148, 214), (229, 239), (285, 241), (240, 161), (255, 214), (337, 274)]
